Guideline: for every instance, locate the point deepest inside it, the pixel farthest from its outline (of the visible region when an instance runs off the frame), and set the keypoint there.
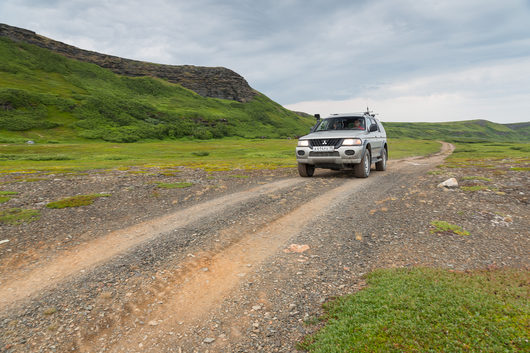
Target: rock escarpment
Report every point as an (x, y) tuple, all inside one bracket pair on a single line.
[(214, 82)]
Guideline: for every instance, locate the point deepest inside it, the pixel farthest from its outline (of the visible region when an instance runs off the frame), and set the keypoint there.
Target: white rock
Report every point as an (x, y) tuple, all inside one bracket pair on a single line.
[(449, 183)]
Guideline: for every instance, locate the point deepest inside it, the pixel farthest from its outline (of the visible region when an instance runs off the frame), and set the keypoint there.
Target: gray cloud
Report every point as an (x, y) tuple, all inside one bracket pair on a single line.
[(295, 50)]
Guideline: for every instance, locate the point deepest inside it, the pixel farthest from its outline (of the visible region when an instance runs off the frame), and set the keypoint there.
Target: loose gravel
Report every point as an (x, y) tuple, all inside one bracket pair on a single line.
[(276, 302)]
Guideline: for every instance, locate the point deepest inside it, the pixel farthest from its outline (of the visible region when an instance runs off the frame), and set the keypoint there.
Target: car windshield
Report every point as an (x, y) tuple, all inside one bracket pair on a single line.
[(342, 123)]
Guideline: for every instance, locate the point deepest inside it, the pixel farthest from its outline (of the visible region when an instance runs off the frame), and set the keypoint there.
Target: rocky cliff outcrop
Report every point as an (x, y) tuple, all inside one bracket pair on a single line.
[(214, 82)]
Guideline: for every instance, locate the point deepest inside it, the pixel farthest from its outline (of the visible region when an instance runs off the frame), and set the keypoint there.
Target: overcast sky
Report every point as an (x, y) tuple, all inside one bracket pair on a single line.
[(408, 60)]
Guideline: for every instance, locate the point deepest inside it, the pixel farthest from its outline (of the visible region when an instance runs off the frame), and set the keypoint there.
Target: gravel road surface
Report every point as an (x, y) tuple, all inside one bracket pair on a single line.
[(236, 262)]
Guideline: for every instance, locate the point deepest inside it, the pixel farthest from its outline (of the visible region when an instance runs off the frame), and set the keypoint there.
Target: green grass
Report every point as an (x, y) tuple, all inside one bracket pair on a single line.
[(443, 226), (466, 153), (474, 188), (470, 131), (76, 201), (174, 185), (4, 198), (429, 310), (215, 155), (47, 97), (16, 216), (476, 178), (402, 148), (239, 176), (521, 169)]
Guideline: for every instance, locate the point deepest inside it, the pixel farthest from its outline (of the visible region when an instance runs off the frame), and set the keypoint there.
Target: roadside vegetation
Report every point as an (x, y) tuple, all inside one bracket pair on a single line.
[(446, 227), (76, 201), (211, 155), (486, 152), (470, 131), (6, 195), (437, 310), (15, 216), (429, 310)]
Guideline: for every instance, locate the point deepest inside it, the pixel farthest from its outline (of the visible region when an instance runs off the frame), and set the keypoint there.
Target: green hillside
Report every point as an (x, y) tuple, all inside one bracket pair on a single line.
[(45, 96), (460, 131)]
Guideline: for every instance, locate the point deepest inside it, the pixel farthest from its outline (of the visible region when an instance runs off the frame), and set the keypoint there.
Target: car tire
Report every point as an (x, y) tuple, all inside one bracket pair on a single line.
[(381, 165), (362, 170), (306, 170)]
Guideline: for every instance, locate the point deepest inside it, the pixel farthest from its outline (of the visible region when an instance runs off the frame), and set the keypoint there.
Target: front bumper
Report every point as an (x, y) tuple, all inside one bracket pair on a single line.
[(341, 157)]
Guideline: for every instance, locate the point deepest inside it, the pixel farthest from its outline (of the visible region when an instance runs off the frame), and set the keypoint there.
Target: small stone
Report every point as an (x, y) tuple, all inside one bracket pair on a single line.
[(152, 323), (449, 183), (256, 307), (209, 340)]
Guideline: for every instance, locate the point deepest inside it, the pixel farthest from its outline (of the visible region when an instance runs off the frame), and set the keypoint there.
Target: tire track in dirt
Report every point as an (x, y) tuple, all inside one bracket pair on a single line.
[(203, 290), (25, 283)]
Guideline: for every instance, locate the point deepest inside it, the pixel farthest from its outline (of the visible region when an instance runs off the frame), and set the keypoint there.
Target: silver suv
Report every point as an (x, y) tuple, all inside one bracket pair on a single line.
[(343, 141)]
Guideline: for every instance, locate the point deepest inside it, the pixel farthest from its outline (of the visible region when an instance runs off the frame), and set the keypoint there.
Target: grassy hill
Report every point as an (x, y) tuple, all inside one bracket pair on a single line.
[(45, 96), (461, 131)]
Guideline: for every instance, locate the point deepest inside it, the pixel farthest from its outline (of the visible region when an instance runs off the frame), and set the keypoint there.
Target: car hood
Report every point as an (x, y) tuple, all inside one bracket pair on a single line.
[(334, 134)]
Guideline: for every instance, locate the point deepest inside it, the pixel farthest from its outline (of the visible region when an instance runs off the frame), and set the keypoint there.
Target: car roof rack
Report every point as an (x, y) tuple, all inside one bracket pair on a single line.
[(370, 113)]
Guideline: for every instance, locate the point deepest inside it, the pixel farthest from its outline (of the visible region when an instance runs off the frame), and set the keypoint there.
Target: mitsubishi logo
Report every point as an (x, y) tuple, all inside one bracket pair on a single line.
[(324, 142)]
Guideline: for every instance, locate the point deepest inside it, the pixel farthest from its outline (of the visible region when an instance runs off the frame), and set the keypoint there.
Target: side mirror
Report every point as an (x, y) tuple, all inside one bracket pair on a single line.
[(373, 127)]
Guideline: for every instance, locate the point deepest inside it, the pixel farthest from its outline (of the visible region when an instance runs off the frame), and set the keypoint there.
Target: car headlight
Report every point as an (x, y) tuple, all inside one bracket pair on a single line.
[(303, 143), (352, 142)]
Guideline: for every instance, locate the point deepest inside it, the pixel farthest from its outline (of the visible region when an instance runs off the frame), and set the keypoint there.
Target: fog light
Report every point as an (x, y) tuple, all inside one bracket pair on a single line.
[(349, 152), (301, 153)]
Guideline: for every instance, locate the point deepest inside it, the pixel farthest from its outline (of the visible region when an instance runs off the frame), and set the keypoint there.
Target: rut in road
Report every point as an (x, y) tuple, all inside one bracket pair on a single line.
[(23, 284), (185, 305)]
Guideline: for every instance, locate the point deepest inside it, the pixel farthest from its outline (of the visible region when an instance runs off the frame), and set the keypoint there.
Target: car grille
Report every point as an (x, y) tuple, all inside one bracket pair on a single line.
[(326, 142), (324, 154)]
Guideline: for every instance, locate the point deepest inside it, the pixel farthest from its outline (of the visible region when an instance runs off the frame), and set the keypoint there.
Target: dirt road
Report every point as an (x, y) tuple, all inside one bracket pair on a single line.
[(239, 271)]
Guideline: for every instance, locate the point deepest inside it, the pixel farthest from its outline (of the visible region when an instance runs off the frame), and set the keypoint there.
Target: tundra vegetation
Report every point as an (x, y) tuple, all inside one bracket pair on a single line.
[(438, 310), (16, 216), (428, 310), (76, 201), (82, 117)]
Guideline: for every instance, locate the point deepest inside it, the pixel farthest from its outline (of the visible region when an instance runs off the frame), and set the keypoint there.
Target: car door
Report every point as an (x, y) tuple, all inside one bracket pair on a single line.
[(375, 138)]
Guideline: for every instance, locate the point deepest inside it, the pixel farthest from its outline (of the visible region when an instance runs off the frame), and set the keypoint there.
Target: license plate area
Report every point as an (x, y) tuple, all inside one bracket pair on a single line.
[(323, 148)]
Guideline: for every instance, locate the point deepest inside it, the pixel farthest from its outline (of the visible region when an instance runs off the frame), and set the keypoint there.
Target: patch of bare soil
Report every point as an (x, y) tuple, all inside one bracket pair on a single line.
[(236, 264)]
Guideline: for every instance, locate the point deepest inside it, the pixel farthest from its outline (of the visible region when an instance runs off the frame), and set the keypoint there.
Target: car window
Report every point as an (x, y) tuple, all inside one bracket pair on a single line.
[(380, 126), (342, 123)]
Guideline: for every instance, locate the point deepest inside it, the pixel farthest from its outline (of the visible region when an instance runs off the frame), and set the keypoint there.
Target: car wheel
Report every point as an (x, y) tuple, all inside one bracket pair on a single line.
[(306, 170), (362, 170), (381, 165)]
